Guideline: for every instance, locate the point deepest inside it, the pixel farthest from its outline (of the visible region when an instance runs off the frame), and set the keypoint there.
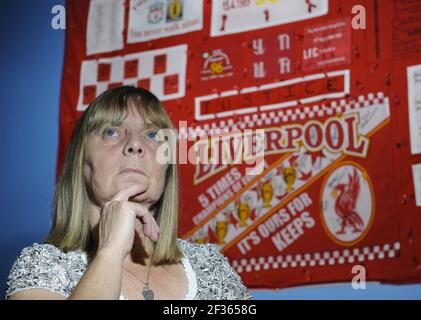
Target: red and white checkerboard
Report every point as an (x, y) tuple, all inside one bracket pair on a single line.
[(317, 259), (161, 71)]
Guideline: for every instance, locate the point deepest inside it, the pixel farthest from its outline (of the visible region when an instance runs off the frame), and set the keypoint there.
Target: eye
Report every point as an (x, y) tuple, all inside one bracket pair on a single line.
[(152, 134), (110, 132)]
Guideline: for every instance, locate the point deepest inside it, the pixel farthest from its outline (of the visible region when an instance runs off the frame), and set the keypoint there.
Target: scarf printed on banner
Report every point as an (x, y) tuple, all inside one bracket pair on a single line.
[(323, 115)]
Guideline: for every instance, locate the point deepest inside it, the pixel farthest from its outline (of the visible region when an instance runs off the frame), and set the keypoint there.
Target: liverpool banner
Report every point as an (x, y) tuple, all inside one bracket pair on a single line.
[(311, 110)]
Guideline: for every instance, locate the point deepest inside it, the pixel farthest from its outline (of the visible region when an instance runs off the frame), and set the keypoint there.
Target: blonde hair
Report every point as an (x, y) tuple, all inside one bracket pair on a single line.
[(70, 228)]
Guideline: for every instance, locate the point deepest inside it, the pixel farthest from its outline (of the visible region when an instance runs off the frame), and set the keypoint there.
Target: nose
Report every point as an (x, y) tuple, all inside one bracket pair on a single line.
[(133, 146)]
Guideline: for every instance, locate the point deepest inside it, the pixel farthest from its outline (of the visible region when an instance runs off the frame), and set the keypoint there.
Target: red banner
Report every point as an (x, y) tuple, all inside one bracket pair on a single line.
[(339, 184)]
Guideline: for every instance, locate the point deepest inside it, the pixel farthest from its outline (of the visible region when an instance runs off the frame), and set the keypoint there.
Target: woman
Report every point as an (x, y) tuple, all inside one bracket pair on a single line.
[(114, 233)]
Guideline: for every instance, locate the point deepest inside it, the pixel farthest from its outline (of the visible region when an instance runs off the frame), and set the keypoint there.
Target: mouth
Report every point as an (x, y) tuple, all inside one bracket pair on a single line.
[(133, 171)]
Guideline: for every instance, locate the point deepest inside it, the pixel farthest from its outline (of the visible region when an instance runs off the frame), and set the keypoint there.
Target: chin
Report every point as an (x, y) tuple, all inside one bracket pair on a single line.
[(129, 181), (141, 198)]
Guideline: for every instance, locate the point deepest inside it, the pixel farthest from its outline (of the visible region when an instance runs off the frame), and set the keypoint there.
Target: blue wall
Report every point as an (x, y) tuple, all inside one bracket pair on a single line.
[(31, 62)]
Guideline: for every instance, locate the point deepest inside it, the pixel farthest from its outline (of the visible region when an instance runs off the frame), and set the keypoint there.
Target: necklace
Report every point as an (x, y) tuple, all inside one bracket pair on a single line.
[(146, 292)]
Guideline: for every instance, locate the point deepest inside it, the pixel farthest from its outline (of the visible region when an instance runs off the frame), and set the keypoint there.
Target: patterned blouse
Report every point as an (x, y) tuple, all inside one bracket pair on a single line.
[(45, 266)]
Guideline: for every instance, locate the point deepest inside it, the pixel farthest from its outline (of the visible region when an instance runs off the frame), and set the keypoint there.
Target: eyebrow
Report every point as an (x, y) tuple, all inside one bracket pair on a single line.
[(149, 125), (145, 125)]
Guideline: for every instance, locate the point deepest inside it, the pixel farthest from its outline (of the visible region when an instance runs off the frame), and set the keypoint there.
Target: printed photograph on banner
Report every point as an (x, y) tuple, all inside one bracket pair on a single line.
[(327, 45), (105, 26), (217, 67), (161, 71), (268, 56), (414, 107), (154, 19), (234, 16)]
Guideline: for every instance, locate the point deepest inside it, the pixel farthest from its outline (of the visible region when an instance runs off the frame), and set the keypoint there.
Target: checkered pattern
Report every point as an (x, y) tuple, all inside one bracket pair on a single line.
[(318, 259), (161, 71), (285, 115)]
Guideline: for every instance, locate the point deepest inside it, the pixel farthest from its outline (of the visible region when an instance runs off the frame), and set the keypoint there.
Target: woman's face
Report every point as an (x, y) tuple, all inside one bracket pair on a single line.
[(118, 156)]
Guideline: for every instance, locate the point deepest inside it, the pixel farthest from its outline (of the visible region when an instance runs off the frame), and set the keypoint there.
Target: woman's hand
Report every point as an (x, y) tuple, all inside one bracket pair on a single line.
[(118, 219)]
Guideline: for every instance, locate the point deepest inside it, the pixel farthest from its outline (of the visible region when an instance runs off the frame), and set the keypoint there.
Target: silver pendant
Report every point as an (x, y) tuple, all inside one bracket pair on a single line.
[(147, 293)]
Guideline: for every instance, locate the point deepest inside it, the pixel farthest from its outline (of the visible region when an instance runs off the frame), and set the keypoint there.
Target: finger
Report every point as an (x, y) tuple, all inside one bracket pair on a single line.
[(150, 226), (158, 230), (155, 233), (151, 230), (131, 191), (147, 227)]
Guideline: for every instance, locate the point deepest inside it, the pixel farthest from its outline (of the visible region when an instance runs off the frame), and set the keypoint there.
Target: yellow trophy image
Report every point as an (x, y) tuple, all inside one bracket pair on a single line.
[(289, 175), (221, 230), (243, 211), (266, 191)]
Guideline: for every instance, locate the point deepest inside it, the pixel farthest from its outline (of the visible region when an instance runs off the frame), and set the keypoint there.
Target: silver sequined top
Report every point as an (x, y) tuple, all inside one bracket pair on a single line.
[(45, 266)]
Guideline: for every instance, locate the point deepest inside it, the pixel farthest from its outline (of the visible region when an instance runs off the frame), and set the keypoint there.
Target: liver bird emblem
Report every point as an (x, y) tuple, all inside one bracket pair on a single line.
[(346, 195)]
